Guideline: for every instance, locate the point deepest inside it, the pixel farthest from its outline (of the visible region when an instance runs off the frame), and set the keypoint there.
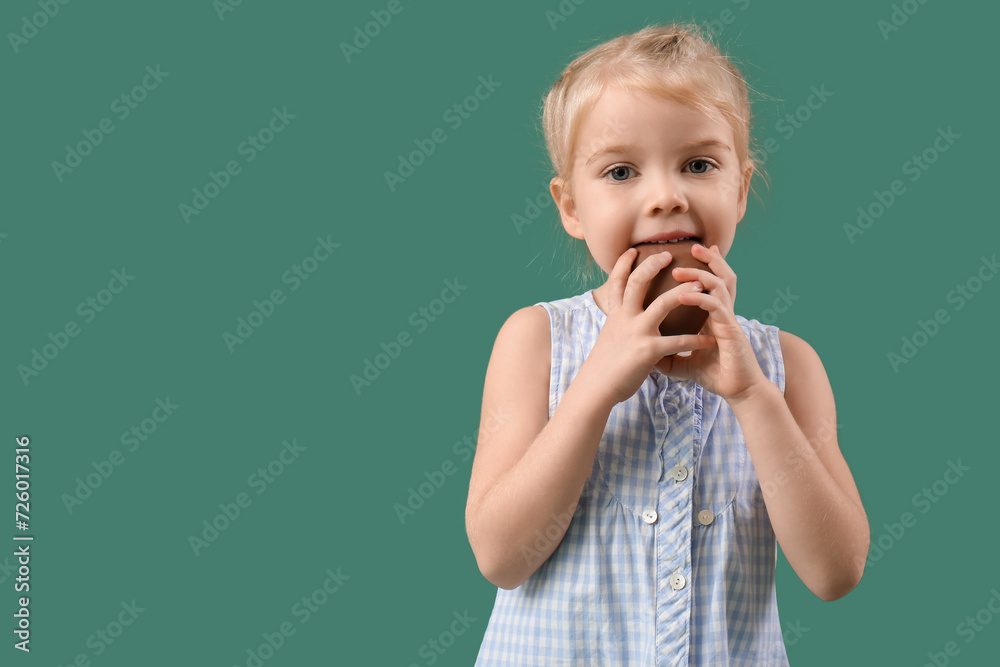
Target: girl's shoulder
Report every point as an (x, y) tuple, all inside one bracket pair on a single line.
[(579, 302), (576, 318), (755, 329), (765, 339)]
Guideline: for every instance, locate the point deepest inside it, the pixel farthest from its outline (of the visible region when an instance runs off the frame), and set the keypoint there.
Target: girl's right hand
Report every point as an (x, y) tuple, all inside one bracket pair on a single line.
[(630, 345)]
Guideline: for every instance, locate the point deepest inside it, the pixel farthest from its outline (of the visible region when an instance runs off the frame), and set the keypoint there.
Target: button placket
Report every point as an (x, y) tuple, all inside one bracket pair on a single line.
[(674, 526)]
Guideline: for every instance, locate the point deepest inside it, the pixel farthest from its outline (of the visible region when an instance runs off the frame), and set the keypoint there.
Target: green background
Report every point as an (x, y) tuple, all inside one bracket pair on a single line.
[(322, 176)]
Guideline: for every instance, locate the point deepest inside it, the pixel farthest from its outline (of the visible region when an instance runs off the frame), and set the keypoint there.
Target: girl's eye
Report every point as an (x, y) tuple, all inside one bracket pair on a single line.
[(700, 166), (619, 172)]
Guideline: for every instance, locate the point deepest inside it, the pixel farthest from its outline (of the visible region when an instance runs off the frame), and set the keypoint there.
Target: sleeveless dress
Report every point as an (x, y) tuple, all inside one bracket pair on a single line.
[(670, 555)]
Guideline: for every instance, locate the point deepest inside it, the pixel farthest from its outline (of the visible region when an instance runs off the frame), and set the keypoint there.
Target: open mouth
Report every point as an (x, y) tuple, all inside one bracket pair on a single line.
[(686, 239)]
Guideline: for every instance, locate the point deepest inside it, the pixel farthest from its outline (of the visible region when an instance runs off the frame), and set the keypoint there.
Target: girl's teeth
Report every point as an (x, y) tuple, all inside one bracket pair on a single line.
[(687, 238)]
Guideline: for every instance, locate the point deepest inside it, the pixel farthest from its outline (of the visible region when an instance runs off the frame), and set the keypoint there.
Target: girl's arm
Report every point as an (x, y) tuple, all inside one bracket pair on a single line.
[(810, 494), (529, 471)]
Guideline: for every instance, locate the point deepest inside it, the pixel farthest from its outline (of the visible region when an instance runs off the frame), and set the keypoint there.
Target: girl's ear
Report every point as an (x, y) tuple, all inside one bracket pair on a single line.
[(563, 197), (744, 191)]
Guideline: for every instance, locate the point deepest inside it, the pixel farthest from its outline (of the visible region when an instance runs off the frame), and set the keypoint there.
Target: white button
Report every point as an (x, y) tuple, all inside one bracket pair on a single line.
[(677, 581), (649, 516), (705, 517), (680, 473)]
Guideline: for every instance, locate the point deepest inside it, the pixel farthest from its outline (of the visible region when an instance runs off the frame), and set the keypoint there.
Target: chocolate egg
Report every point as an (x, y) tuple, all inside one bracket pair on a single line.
[(682, 319)]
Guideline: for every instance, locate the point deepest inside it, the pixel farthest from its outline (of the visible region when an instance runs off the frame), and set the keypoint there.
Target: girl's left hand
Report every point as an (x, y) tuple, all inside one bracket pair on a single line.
[(730, 368)]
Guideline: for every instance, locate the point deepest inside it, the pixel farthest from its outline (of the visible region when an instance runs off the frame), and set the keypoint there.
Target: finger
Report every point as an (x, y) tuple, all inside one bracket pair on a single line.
[(671, 345), (714, 259), (619, 277), (716, 263), (701, 299), (711, 283), (638, 282), (718, 312), (678, 366), (685, 274), (663, 304)]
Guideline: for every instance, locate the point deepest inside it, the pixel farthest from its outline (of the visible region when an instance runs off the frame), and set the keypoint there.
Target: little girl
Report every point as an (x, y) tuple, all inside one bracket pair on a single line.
[(629, 506)]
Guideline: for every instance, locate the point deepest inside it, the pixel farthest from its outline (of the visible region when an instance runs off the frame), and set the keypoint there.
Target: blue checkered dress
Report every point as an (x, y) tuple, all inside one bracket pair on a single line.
[(670, 556)]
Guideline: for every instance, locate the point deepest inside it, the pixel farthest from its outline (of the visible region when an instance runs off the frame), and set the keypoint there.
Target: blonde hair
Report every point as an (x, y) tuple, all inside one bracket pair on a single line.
[(674, 61)]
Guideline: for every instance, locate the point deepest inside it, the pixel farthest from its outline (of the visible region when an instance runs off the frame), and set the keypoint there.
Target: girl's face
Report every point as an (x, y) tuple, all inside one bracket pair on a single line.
[(644, 166)]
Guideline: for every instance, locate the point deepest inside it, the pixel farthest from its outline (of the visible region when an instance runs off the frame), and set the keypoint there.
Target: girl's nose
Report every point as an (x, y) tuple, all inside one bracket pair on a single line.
[(666, 195)]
